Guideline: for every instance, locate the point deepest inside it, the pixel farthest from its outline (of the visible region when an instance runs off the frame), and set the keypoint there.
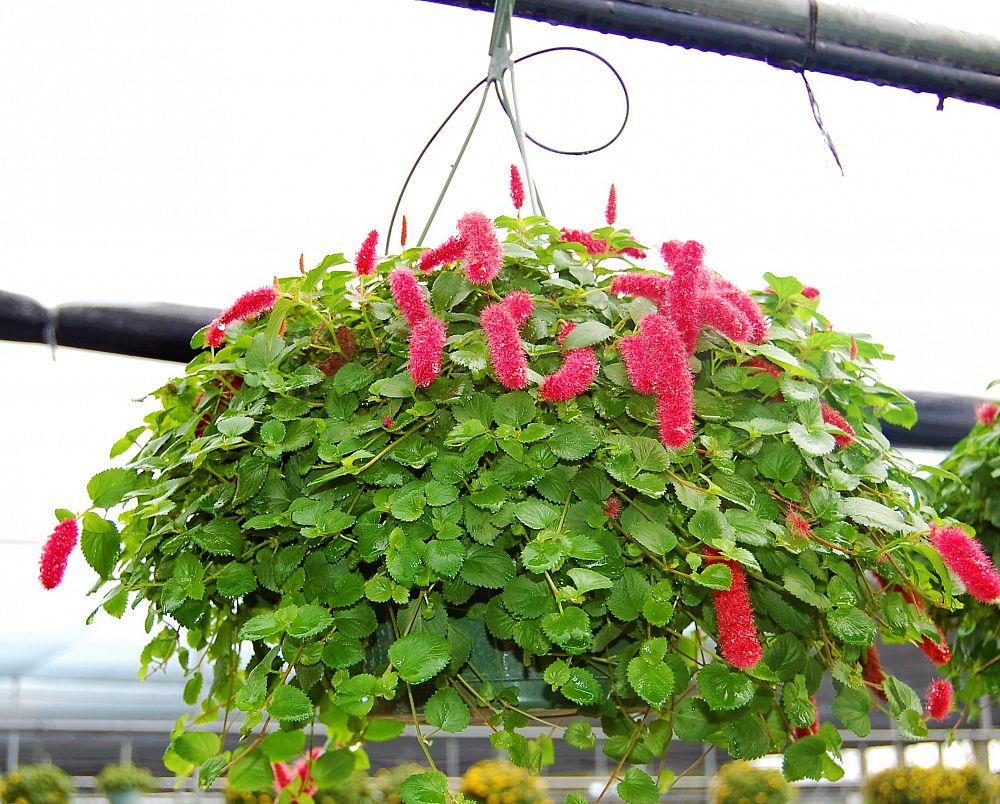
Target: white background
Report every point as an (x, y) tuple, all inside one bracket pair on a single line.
[(188, 151)]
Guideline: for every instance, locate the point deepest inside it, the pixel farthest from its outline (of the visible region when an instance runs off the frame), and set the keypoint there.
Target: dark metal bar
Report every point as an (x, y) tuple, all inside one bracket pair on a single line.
[(783, 49)]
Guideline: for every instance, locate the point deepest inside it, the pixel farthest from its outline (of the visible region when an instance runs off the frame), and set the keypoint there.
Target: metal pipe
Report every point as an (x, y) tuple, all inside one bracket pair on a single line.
[(852, 43)]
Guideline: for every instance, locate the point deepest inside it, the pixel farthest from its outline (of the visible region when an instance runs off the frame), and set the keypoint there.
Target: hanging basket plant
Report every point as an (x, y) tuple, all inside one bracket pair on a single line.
[(511, 480), (967, 489)]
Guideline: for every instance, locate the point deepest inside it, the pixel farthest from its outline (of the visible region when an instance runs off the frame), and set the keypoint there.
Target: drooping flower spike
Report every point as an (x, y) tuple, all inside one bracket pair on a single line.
[(965, 557), (738, 638), (409, 295), (671, 379), (55, 553), (427, 340), (836, 418), (938, 652), (648, 286), (684, 287), (501, 322), (756, 326), (939, 695), (449, 251), (482, 253), (578, 371), (364, 262), (611, 211), (637, 366), (252, 304), (872, 673), (586, 239), (516, 188)]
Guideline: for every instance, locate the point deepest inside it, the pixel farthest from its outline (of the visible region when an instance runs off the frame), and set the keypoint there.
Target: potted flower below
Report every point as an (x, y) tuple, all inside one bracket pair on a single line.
[(125, 784), (36, 784), (517, 472)]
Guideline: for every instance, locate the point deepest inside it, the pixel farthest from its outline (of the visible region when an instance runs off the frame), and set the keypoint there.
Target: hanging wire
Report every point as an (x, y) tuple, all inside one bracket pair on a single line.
[(807, 64), (511, 115)]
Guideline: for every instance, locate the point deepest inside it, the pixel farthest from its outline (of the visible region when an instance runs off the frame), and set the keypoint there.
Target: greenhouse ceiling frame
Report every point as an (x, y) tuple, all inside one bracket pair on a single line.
[(848, 42)]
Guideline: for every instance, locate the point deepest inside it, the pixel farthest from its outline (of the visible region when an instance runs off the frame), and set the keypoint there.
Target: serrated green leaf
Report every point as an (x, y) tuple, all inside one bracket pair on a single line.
[(637, 787), (811, 442), (570, 629), (587, 580), (232, 426), (250, 773), (652, 681), (445, 557), (488, 567), (572, 442), (447, 711), (419, 657), (332, 767), (108, 488), (425, 788), (309, 621), (580, 734), (723, 688), (100, 544), (290, 705), (236, 580), (196, 746), (281, 746), (852, 626), (851, 707), (798, 582)]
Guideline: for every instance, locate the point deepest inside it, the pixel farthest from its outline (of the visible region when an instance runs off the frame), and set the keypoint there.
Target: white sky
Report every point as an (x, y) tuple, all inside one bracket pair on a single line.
[(187, 151)]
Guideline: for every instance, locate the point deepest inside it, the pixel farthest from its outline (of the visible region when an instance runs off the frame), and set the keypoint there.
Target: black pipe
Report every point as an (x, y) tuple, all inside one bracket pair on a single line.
[(778, 48)]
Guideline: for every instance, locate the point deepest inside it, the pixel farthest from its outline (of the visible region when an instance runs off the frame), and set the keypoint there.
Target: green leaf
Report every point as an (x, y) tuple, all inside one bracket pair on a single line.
[(281, 746), (445, 557), (232, 426), (569, 629), (488, 567), (196, 746), (629, 595), (449, 288), (654, 536), (691, 723), (652, 680), (419, 657), (219, 537), (290, 705), (852, 626), (798, 582), (797, 390), (582, 687), (715, 576), (571, 442), (333, 767), (515, 409), (804, 759), (342, 651), (529, 599), (779, 461), (795, 701), (211, 769), (100, 543), (587, 333), (250, 476), (447, 711), (251, 773), (723, 688), (637, 787), (352, 377), (236, 580), (580, 734), (851, 707), (309, 621), (586, 580), (399, 386), (379, 731), (425, 788), (356, 696), (748, 737), (873, 514), (785, 656), (536, 514), (251, 694), (108, 488), (814, 443)]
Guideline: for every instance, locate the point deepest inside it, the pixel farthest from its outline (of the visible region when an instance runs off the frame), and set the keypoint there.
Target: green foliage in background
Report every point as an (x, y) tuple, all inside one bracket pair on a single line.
[(119, 778), (337, 548), (36, 784), (741, 783), (937, 785)]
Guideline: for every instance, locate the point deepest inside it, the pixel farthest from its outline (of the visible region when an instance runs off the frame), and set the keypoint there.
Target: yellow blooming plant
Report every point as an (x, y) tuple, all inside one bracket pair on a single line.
[(937, 785), (496, 781), (36, 784), (741, 783)]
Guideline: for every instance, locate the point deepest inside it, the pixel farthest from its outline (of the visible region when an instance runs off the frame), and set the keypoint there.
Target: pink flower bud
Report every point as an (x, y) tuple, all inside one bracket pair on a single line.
[(364, 263), (578, 371), (427, 340), (986, 413), (501, 322), (611, 212), (481, 250), (516, 188), (836, 418), (449, 251), (965, 557), (939, 695), (586, 239), (409, 295), (55, 554)]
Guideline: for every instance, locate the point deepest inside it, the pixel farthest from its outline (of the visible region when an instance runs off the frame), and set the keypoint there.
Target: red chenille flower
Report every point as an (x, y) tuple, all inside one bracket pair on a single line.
[(564, 331), (633, 252), (756, 325), (637, 366), (409, 295), (871, 671), (938, 652), (611, 212), (427, 340), (215, 335), (722, 315), (578, 371), (810, 292), (516, 188), (671, 379), (481, 251), (764, 366), (251, 304), (387, 422), (797, 525), (684, 288), (648, 286), (966, 558), (613, 507), (738, 639), (586, 239), (402, 233), (364, 262), (506, 349), (986, 413), (449, 251), (939, 695), (55, 554), (836, 418)]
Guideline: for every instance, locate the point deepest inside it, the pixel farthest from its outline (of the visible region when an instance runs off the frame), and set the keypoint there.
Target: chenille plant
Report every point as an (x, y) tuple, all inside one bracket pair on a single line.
[(655, 496), (966, 488)]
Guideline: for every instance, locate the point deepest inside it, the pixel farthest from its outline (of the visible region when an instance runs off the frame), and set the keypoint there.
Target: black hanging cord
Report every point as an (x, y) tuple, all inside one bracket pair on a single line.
[(471, 92), (807, 64)]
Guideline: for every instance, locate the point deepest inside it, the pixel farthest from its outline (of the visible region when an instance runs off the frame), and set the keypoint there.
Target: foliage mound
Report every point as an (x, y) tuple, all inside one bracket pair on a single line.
[(494, 781), (119, 778), (318, 537), (36, 784), (741, 783), (936, 785)]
